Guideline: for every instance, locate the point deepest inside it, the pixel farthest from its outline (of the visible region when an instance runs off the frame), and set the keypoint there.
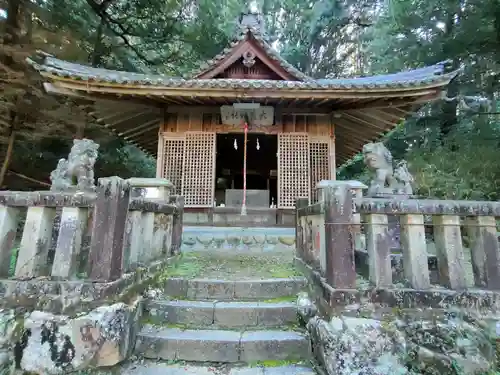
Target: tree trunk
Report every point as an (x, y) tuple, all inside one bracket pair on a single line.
[(12, 27), (10, 148), (96, 57), (449, 108)]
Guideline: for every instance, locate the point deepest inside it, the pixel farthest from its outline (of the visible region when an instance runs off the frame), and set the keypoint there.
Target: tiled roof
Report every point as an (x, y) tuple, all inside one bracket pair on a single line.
[(429, 76)]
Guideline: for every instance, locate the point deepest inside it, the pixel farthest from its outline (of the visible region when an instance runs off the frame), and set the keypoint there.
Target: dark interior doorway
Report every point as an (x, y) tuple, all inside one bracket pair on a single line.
[(262, 164)]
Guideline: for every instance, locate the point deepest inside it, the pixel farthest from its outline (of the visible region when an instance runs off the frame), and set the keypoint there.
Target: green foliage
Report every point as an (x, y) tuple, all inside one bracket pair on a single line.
[(451, 148)]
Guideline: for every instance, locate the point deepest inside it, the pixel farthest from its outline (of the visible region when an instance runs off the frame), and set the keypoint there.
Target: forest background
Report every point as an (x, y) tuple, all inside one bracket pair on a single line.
[(452, 145)]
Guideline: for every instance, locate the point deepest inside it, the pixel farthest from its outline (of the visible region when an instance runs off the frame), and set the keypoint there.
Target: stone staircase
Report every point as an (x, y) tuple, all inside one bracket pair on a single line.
[(234, 322)]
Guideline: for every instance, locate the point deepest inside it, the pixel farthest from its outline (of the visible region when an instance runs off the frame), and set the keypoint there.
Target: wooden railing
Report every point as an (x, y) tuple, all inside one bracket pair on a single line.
[(336, 222), (99, 236)]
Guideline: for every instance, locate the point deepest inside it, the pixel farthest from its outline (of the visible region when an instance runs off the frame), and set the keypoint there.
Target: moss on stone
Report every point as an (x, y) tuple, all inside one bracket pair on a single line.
[(234, 267), (279, 363)]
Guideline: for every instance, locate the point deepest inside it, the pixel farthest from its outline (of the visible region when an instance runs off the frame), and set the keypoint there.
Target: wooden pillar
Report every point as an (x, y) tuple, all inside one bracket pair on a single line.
[(160, 156), (333, 166)]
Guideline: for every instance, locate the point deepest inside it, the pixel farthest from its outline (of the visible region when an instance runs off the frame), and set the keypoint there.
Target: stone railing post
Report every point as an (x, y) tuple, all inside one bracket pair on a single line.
[(414, 248), (147, 232), (35, 243), (357, 190), (449, 251), (9, 218), (379, 250), (299, 236), (72, 227), (178, 200), (485, 249), (108, 229), (339, 241)]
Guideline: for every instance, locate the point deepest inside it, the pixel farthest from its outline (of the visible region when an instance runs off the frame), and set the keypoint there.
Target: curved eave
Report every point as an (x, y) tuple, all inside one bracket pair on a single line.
[(251, 89), (131, 105)]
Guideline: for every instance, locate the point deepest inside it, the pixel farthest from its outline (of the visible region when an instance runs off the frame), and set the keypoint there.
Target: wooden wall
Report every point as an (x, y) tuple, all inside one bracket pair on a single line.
[(172, 134), (183, 120)]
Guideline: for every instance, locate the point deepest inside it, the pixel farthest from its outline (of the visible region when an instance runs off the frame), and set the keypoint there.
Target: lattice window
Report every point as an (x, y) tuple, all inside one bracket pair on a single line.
[(173, 151), (293, 168), (320, 166), (199, 169)]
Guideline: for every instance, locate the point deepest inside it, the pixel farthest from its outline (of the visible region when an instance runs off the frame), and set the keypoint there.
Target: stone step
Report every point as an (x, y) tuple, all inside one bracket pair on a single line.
[(242, 240), (227, 290), (222, 314), (221, 346), (162, 368)]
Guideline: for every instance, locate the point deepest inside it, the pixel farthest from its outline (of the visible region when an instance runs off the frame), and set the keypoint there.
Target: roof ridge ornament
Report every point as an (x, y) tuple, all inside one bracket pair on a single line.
[(251, 21)]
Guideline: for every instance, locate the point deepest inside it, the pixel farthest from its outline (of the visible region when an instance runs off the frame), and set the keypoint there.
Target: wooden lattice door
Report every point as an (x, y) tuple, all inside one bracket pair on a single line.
[(293, 168), (172, 159), (319, 160), (198, 172)]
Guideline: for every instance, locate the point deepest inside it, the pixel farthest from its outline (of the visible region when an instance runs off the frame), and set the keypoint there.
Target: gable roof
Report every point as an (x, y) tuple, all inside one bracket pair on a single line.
[(250, 36)]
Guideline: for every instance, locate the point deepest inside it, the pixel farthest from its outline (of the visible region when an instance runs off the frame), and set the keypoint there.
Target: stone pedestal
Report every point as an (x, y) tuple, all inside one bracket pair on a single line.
[(151, 188)]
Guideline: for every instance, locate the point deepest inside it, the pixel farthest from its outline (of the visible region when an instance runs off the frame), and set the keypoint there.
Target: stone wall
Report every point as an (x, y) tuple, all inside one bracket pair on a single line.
[(41, 342), (362, 340)]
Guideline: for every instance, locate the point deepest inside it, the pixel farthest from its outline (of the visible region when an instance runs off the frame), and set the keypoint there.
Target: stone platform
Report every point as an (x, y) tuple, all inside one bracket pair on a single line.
[(238, 239)]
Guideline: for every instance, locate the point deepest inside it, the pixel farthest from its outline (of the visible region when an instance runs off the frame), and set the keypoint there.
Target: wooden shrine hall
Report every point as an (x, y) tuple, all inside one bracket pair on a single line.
[(298, 128)]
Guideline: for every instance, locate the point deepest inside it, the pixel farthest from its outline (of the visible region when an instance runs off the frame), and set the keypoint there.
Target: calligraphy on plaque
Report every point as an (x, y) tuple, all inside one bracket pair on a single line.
[(261, 116)]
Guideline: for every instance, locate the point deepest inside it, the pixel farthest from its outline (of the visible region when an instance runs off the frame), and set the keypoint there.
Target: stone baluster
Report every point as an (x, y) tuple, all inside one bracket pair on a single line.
[(160, 234), (35, 243), (9, 218), (177, 223), (148, 227), (449, 251), (72, 227), (379, 251), (414, 249), (300, 247), (485, 249), (132, 246)]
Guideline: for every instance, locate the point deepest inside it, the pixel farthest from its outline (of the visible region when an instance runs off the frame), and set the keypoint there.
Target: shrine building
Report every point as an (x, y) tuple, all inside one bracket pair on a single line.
[(299, 128)]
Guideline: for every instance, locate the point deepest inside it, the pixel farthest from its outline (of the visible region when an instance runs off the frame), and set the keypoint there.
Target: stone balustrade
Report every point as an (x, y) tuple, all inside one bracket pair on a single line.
[(123, 233), (451, 222), (327, 231)]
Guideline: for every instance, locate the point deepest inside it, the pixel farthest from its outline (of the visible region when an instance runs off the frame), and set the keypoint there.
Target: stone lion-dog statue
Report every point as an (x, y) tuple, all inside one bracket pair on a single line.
[(77, 172), (386, 180)]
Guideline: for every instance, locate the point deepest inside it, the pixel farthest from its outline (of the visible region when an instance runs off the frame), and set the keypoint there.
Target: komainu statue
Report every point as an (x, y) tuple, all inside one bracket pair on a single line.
[(386, 180), (403, 178), (76, 173)]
